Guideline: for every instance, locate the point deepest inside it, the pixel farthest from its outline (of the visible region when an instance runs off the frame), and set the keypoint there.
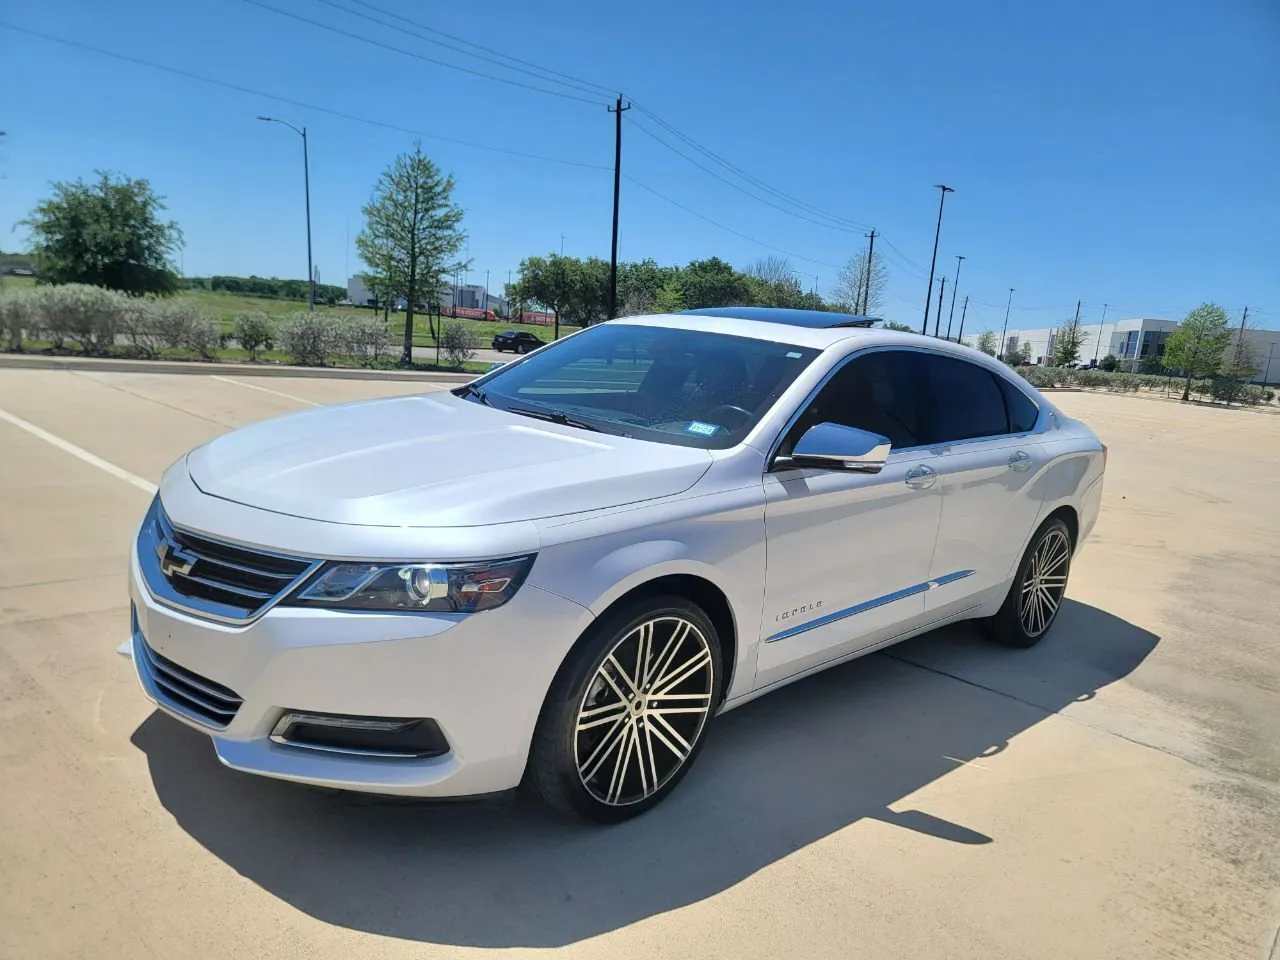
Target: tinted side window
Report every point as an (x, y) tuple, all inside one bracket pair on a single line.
[(966, 401), (1022, 412), (877, 392)]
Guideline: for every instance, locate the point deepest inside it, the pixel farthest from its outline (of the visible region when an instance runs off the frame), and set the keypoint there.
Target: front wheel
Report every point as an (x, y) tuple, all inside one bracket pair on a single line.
[(1035, 596), (628, 712)]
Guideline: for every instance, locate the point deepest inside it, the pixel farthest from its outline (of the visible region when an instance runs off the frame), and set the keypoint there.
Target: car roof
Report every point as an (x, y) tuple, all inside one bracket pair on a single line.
[(814, 319)]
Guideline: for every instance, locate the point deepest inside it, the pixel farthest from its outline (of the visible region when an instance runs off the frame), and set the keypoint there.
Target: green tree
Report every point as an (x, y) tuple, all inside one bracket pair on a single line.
[(548, 282), (108, 233), (713, 283), (1240, 360), (1024, 351), (1152, 363), (670, 298), (1196, 347), (412, 234), (638, 286), (1066, 346), (987, 342), (1109, 363), (904, 328)]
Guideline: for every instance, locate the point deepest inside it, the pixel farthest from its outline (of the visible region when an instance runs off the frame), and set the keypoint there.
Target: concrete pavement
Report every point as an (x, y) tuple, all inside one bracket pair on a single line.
[(1113, 792)]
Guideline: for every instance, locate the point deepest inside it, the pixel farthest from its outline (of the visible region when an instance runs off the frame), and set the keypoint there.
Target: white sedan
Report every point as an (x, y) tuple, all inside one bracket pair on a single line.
[(559, 574)]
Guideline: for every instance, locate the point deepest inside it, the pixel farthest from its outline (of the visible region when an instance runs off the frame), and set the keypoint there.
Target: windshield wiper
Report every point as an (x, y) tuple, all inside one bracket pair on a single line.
[(556, 416), (472, 390)]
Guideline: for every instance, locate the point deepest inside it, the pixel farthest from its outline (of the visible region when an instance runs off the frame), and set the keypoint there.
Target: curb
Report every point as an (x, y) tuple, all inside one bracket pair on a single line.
[(113, 365)]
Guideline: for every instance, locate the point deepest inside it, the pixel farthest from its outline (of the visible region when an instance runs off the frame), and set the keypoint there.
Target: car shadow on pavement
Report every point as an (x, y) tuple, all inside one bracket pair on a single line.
[(775, 776)]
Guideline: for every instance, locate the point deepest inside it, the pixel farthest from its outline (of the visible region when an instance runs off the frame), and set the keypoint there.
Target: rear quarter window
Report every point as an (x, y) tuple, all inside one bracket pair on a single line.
[(1021, 411)]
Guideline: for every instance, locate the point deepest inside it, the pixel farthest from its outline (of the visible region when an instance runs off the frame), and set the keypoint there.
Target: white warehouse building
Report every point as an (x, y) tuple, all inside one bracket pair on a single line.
[(1131, 340)]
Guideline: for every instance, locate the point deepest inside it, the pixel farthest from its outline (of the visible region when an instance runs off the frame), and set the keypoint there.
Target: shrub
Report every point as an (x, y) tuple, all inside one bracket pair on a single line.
[(1092, 379), (1252, 395), (140, 326), (90, 316), (1268, 395), (254, 331), (309, 338), (1109, 363), (459, 344), (179, 325), (363, 338), (18, 318)]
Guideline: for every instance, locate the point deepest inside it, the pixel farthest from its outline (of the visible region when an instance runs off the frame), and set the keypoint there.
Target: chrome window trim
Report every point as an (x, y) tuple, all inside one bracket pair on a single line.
[(160, 590), (880, 348)]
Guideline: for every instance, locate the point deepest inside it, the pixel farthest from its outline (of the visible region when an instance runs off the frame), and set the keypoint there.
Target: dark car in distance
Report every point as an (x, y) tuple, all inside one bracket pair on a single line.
[(518, 341)]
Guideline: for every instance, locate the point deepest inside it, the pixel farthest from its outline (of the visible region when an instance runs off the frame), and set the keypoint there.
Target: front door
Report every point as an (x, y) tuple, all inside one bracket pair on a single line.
[(848, 554)]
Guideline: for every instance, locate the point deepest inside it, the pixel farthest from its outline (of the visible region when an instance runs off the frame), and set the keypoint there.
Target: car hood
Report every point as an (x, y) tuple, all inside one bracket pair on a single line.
[(435, 461)]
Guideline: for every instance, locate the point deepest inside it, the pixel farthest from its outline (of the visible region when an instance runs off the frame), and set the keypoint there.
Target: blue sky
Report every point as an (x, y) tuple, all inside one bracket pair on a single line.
[(1115, 151)]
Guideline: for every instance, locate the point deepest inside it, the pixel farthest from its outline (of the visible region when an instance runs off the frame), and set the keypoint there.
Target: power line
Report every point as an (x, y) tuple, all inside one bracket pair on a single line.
[(736, 186), (418, 56), (716, 223), (138, 61), (566, 79)]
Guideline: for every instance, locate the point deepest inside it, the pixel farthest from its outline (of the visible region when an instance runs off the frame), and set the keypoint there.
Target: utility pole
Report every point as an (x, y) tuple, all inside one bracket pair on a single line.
[(954, 287), (306, 183), (1005, 328), (928, 291), (486, 292), (866, 292), (937, 320), (1266, 377), (1101, 326), (963, 311), (617, 109)]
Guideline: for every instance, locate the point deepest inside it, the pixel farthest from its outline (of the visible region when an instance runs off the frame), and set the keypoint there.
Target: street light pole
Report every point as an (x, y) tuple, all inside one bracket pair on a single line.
[(1005, 328), (306, 182), (928, 291), (956, 286), (1101, 327)]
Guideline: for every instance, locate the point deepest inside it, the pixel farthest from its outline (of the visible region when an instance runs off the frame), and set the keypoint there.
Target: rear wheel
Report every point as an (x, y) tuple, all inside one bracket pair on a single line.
[(628, 712), (1035, 596)]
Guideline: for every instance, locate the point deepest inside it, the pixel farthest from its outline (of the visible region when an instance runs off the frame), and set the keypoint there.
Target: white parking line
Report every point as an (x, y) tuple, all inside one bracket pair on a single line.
[(254, 386), (85, 455)]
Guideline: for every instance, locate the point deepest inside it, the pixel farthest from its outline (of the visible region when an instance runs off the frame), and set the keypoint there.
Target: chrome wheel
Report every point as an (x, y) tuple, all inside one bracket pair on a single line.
[(644, 711), (1045, 583)]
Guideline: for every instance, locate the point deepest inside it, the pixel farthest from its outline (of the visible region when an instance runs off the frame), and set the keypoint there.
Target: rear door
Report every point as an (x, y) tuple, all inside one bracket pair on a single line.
[(980, 429)]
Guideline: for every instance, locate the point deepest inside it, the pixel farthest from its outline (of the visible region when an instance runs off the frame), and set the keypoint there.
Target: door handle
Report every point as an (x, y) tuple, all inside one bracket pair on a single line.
[(1020, 461), (921, 477)]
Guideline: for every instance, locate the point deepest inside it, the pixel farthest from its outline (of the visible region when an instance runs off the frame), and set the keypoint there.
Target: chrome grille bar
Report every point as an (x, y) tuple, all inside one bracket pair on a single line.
[(212, 578), (189, 694)]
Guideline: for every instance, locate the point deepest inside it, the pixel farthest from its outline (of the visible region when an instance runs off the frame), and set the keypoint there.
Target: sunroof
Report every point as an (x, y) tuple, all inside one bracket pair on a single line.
[(816, 319)]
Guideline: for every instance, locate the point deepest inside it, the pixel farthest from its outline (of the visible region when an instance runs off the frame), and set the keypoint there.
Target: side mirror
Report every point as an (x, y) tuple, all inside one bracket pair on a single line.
[(833, 446)]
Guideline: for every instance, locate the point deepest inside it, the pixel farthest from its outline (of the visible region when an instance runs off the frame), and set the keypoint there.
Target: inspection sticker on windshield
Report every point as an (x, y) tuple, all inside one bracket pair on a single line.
[(701, 429), (793, 355)]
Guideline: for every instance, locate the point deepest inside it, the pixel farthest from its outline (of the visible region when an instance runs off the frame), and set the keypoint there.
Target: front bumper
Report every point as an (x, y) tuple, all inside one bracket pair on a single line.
[(481, 677)]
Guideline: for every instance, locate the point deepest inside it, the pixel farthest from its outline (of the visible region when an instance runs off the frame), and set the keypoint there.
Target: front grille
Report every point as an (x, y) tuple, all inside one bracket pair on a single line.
[(188, 693), (211, 577)]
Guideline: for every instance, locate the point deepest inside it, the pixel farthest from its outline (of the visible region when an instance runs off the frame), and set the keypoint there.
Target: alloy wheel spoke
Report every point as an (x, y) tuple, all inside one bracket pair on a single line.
[(644, 653), (618, 780), (631, 684), (669, 651), (597, 716), (676, 751), (612, 738), (678, 675)]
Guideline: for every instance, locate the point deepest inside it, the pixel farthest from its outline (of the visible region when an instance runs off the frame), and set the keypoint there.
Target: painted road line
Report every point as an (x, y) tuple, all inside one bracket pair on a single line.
[(254, 386), (68, 447)]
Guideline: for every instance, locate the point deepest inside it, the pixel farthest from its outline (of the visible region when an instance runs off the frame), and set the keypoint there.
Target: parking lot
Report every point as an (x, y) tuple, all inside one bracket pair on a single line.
[(1114, 792)]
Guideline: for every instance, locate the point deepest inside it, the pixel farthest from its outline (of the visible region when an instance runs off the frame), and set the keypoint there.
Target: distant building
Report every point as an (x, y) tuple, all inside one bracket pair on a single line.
[(1131, 340), (466, 296)]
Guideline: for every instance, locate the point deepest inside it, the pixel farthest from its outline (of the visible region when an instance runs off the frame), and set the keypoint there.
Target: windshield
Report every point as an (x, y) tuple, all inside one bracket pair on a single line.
[(686, 387)]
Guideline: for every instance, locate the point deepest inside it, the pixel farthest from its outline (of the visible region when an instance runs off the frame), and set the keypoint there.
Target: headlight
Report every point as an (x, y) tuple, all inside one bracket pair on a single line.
[(435, 587)]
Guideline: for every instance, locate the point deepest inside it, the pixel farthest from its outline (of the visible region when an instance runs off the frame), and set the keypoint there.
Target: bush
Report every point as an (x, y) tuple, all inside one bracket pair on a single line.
[(363, 338), (179, 325), (1122, 382), (1109, 363), (254, 331), (139, 325), (18, 318), (459, 344), (1092, 379), (90, 316), (309, 338), (1252, 395), (1268, 395)]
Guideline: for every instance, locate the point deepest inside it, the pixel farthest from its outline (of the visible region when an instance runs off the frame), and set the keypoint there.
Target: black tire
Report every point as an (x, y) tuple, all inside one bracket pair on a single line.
[(553, 771), (1024, 623)]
